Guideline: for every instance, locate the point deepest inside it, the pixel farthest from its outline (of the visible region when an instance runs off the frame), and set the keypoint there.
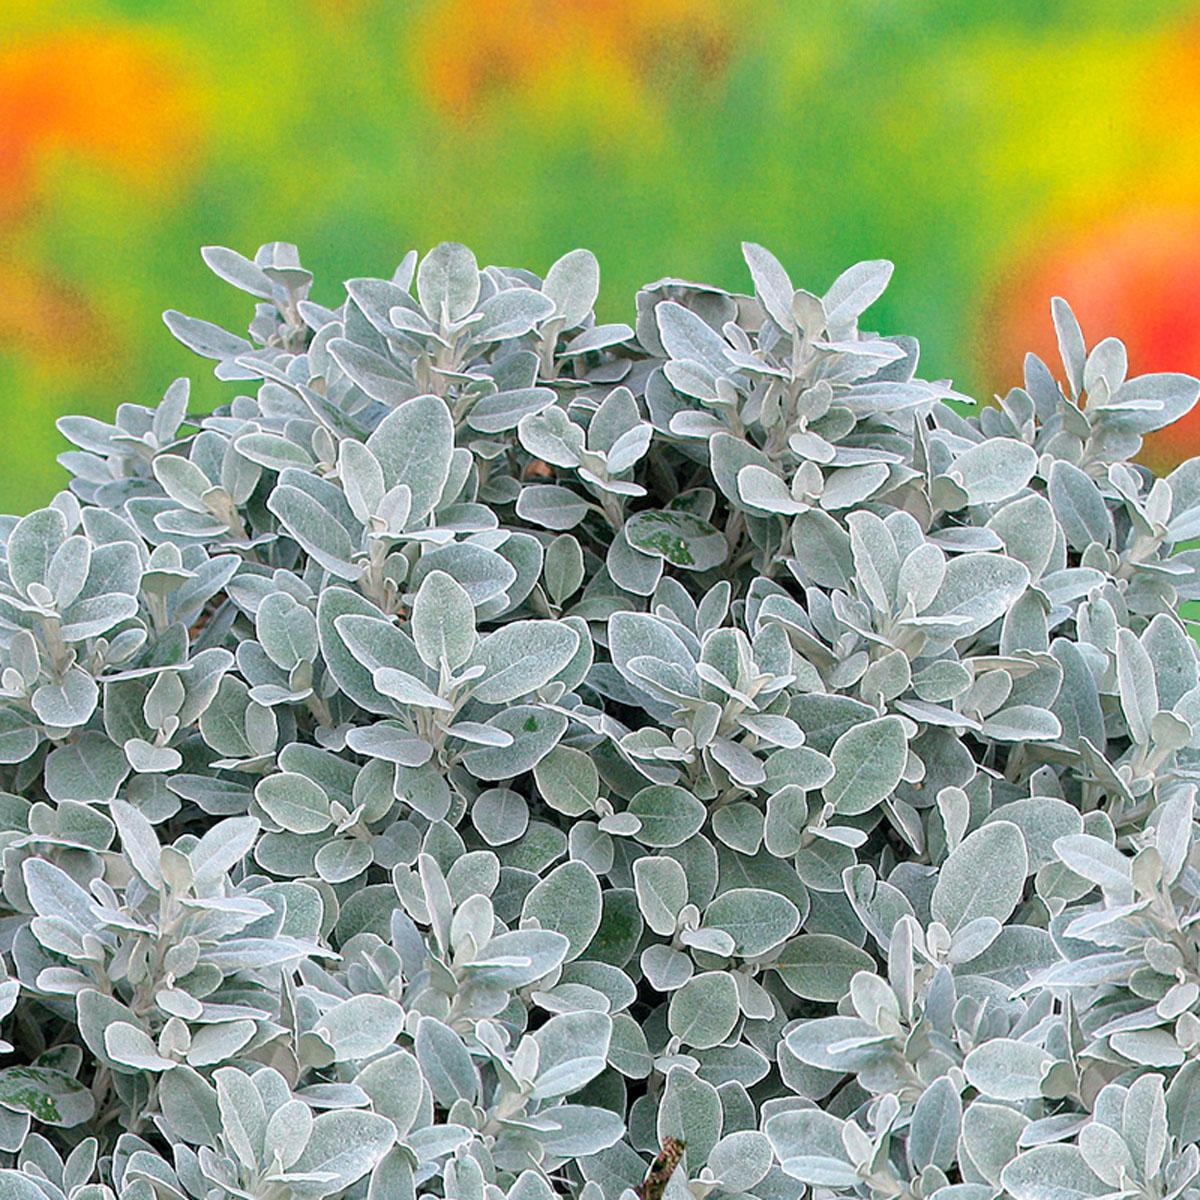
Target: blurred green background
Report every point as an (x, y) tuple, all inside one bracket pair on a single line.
[(999, 153)]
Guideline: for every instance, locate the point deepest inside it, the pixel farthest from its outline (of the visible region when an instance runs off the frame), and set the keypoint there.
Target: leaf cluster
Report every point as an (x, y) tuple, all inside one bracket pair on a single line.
[(496, 745)]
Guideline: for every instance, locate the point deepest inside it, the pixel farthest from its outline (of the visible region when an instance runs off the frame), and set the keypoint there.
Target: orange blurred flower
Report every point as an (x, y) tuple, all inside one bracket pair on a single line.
[(111, 95), (52, 324), (550, 52)]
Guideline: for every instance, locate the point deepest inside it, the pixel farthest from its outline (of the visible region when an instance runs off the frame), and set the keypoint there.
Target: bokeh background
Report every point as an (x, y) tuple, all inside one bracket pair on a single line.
[(998, 152)]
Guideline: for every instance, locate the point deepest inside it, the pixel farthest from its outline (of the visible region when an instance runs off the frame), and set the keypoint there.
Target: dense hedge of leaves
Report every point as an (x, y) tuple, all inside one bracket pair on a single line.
[(497, 745)]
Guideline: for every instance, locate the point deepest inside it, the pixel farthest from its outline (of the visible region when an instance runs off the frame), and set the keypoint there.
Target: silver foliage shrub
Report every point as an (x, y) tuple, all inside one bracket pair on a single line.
[(495, 744)]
